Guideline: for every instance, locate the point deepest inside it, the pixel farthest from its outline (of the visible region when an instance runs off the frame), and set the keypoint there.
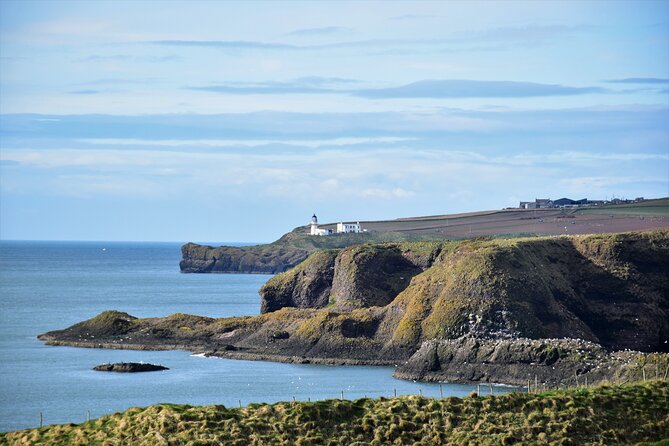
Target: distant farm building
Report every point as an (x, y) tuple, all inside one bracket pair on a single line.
[(567, 202), (539, 203)]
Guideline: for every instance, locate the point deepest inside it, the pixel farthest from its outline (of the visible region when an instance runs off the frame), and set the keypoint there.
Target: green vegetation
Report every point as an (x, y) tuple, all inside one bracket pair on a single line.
[(606, 415), (659, 207)]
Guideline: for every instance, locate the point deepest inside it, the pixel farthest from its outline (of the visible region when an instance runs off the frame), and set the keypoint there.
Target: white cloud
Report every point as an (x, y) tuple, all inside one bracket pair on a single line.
[(396, 192), (344, 141)]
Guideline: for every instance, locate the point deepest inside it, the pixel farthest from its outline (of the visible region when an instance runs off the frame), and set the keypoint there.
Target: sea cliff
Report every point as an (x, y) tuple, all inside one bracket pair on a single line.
[(381, 304)]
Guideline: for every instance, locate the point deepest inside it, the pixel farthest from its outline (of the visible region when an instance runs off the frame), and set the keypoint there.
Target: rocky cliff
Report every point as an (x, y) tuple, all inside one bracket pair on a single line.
[(381, 303), (275, 257)]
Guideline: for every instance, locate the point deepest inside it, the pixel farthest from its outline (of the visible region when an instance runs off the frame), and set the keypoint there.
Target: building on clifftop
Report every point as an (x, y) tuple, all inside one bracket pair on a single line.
[(314, 227)]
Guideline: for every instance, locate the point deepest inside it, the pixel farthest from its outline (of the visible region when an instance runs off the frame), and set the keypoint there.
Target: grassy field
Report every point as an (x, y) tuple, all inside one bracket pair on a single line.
[(605, 415), (648, 208)]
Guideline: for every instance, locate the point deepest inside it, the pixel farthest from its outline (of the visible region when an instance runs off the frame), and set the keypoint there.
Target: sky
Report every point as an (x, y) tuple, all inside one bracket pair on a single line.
[(235, 121)]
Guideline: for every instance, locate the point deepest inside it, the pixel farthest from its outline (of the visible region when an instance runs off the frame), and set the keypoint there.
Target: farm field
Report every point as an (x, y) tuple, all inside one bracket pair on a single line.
[(507, 222)]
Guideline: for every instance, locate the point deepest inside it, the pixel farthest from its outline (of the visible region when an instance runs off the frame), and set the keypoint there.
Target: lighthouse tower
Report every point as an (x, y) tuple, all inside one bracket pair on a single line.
[(314, 225)]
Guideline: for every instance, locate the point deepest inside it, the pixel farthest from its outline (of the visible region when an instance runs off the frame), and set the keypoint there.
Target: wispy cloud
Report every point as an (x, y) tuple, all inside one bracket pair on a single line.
[(411, 17), (303, 85), (119, 81), (474, 89), (310, 143), (639, 80), (420, 89), (228, 44), (495, 39), (326, 30), (86, 91), (129, 58)]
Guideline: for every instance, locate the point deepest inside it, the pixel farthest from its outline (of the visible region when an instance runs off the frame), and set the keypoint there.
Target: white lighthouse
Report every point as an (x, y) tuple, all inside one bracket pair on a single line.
[(314, 227)]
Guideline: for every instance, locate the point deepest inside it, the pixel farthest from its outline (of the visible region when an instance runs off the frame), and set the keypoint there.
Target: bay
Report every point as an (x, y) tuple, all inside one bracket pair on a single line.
[(51, 285)]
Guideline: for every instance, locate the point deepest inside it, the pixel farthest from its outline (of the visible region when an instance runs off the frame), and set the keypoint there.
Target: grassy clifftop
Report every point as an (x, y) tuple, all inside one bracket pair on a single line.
[(611, 415), (281, 255)]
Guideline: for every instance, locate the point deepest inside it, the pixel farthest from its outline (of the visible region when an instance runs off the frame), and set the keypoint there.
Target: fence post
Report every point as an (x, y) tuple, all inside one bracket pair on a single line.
[(40, 420), (441, 392)]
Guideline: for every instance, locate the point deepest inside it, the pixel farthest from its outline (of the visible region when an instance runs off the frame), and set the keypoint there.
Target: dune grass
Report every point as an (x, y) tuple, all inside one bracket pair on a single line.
[(604, 415)]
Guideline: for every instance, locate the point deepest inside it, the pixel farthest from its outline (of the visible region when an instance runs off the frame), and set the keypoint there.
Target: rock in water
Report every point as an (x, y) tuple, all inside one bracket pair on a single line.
[(129, 367)]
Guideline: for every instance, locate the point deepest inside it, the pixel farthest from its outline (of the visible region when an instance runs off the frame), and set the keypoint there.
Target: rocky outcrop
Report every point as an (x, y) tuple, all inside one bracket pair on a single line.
[(390, 299), (245, 259), (129, 367), (281, 255), (545, 363), (370, 275), (306, 286), (355, 277)]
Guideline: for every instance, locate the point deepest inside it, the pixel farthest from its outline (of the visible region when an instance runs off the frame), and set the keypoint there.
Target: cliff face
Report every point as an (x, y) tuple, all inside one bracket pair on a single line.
[(243, 259), (308, 285), (609, 289), (356, 277), (275, 257), (381, 303), (544, 363)]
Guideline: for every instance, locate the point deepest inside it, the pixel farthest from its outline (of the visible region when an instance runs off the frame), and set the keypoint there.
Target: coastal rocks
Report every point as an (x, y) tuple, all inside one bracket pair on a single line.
[(549, 362), (306, 286), (611, 290), (355, 277), (265, 259), (129, 367), (370, 275)]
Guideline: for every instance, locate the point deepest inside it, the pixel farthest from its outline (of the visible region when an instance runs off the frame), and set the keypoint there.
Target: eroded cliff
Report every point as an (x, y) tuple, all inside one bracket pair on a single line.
[(381, 303)]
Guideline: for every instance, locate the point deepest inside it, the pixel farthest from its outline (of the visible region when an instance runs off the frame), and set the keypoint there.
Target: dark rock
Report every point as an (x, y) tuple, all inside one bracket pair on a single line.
[(129, 367), (305, 286), (549, 362)]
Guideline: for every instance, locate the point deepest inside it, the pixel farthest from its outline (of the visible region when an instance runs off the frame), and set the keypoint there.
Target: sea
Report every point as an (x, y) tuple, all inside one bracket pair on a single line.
[(47, 285)]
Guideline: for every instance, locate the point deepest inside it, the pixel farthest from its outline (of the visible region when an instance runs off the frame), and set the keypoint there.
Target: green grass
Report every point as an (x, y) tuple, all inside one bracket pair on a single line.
[(659, 207), (606, 415)]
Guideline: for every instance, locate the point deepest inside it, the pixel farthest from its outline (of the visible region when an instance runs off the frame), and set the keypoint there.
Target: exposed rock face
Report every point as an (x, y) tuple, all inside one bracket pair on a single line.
[(278, 256), (370, 275), (549, 362), (356, 277), (306, 286), (129, 367), (244, 259), (611, 289)]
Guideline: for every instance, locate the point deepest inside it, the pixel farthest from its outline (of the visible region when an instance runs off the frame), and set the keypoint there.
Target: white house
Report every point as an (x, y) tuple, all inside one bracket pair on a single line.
[(348, 228)]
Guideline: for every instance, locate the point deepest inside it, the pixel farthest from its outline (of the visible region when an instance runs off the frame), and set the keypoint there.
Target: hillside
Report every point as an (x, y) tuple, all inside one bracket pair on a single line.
[(379, 304), (295, 246), (611, 415)]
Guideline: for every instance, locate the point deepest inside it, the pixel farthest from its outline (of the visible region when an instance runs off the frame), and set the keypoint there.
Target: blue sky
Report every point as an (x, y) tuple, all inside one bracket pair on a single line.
[(234, 121)]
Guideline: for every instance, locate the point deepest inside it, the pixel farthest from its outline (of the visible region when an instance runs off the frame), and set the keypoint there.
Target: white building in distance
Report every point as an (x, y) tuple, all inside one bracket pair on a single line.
[(314, 227), (342, 228), (348, 228)]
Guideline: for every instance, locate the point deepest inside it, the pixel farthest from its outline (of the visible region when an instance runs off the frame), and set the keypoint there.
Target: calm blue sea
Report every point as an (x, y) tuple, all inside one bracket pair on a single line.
[(52, 285)]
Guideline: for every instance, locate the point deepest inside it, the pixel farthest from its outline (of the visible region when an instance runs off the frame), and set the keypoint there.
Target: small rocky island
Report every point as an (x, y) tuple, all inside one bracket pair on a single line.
[(129, 367)]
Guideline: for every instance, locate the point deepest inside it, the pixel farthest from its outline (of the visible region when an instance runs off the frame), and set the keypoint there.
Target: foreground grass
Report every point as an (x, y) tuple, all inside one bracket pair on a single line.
[(605, 415)]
